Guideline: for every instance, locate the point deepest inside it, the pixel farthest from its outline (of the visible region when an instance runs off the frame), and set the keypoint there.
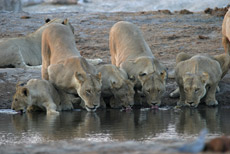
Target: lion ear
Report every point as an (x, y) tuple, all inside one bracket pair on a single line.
[(163, 75), (113, 84), (80, 77), (204, 77), (98, 76), (65, 22), (132, 78), (20, 84), (24, 91)]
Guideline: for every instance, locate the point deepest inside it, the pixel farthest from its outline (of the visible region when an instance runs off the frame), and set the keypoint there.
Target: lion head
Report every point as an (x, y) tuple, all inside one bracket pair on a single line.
[(21, 99), (124, 93), (153, 87), (194, 87), (89, 89), (149, 75)]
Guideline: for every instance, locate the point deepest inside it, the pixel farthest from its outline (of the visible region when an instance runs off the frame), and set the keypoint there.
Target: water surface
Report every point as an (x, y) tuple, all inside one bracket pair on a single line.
[(142, 125)]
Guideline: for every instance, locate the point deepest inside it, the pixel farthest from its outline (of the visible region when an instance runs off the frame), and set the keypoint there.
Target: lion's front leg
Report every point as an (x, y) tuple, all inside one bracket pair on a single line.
[(175, 93), (211, 95), (45, 75), (50, 107), (181, 102)]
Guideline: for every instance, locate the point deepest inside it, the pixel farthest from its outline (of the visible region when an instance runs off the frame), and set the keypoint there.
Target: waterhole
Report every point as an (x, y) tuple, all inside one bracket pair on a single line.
[(113, 125)]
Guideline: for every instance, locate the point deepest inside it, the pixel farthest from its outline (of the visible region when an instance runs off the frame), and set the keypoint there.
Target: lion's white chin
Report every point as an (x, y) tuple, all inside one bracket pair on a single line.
[(91, 109)]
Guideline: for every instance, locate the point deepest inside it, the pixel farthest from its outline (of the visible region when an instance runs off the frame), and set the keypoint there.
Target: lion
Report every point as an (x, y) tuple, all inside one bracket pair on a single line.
[(198, 77), (226, 32), (25, 52), (117, 86), (222, 59), (130, 52), (63, 65), (36, 93)]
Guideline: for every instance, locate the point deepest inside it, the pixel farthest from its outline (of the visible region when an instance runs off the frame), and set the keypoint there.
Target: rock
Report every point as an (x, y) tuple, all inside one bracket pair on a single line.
[(219, 144), (203, 37), (10, 5), (165, 12), (217, 11), (185, 12)]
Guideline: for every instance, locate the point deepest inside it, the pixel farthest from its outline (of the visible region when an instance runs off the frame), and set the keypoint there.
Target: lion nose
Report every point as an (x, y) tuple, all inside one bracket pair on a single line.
[(190, 103), (94, 106)]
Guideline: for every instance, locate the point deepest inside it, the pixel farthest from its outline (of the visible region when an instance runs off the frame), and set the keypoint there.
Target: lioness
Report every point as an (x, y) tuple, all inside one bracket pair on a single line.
[(197, 77), (24, 51), (226, 32), (130, 52), (115, 84), (63, 65), (40, 93), (222, 59)]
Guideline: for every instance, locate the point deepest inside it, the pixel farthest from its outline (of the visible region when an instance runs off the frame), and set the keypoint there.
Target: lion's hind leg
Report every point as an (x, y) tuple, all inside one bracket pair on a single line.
[(226, 44)]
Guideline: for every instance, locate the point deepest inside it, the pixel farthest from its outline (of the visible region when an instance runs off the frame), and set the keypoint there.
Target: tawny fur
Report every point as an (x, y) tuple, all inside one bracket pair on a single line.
[(130, 52)]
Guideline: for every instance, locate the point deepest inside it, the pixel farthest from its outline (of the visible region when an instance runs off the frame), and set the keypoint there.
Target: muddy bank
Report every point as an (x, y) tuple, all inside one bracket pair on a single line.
[(167, 35)]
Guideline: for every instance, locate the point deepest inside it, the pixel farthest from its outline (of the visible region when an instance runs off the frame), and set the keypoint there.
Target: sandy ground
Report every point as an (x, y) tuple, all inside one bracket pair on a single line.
[(167, 35)]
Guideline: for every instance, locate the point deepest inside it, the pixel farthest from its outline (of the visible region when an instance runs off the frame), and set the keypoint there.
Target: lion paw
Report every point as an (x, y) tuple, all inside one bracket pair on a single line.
[(212, 102), (52, 112)]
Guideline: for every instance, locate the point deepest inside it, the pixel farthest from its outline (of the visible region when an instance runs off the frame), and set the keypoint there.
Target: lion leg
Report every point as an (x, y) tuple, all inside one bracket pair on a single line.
[(114, 103), (45, 58), (181, 102), (66, 100), (175, 93), (224, 61), (226, 44), (33, 108), (50, 107), (211, 95), (102, 103), (112, 49), (182, 57)]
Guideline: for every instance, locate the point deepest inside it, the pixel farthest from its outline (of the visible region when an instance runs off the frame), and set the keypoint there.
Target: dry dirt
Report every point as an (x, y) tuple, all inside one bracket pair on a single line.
[(166, 33)]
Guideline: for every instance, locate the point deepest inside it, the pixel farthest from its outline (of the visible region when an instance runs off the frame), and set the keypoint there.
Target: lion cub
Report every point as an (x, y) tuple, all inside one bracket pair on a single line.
[(115, 84), (63, 65), (40, 93), (197, 77), (130, 52)]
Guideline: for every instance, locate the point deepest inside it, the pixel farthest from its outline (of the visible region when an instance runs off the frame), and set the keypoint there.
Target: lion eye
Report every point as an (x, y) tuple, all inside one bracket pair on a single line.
[(158, 90), (16, 99), (196, 90)]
